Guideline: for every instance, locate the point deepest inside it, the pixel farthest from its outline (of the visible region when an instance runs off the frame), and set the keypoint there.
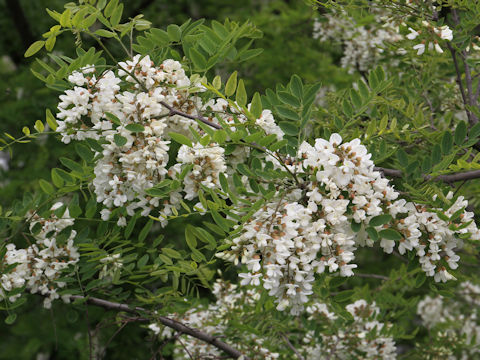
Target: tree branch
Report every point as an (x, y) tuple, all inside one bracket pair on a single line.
[(174, 111), (289, 344), (372, 276), (469, 97), (450, 178), (171, 323)]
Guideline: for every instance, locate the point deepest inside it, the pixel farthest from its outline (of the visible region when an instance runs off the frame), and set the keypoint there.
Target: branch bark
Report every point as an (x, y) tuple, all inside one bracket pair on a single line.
[(171, 323), (467, 175), (289, 344), (174, 111)]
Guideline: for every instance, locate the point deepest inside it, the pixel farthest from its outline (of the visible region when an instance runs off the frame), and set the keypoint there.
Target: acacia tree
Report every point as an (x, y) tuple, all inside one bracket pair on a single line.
[(258, 226)]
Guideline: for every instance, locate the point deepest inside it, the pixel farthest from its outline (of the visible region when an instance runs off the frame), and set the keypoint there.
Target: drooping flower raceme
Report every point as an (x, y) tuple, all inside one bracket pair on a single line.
[(453, 323), (365, 337), (38, 266), (363, 45), (129, 111), (430, 34), (347, 205)]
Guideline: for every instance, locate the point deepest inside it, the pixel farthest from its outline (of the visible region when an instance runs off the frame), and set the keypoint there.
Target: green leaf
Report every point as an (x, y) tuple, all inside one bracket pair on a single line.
[(288, 99), (380, 220), (113, 118), (174, 32), (142, 261), (89, 21), (171, 253), (356, 99), (181, 139), (72, 165), (241, 96), (390, 234), (84, 152), (220, 136), (296, 86), (344, 295), (198, 59), (190, 237), (116, 15), (256, 105), (50, 119), (287, 113), (135, 128), (119, 140), (362, 87), (288, 128), (356, 226), (46, 187), (146, 229), (105, 33), (34, 48), (56, 178), (217, 82), (347, 108), (460, 133), (10, 319), (420, 279), (447, 142), (474, 131), (39, 126), (130, 226), (220, 220), (372, 233), (402, 157), (65, 18), (231, 85), (110, 8)]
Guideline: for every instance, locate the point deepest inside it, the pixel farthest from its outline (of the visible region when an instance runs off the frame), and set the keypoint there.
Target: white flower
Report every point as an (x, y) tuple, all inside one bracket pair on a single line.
[(420, 48)]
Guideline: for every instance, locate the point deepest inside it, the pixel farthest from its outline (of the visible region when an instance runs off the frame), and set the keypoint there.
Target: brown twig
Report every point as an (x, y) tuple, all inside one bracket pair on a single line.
[(289, 344), (171, 323), (174, 111), (450, 178), (372, 276)]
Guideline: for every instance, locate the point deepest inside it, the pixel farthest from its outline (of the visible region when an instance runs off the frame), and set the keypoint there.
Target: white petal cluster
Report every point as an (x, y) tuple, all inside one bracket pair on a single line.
[(129, 111), (363, 45), (214, 320), (38, 267), (456, 318), (112, 264), (207, 161), (442, 32), (289, 240), (365, 338)]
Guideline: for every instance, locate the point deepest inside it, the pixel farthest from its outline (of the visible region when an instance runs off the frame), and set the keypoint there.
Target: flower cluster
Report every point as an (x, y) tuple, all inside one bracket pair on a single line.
[(344, 204), (112, 264), (439, 32), (130, 111), (363, 45), (365, 338), (454, 320), (207, 163), (214, 320), (38, 266)]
